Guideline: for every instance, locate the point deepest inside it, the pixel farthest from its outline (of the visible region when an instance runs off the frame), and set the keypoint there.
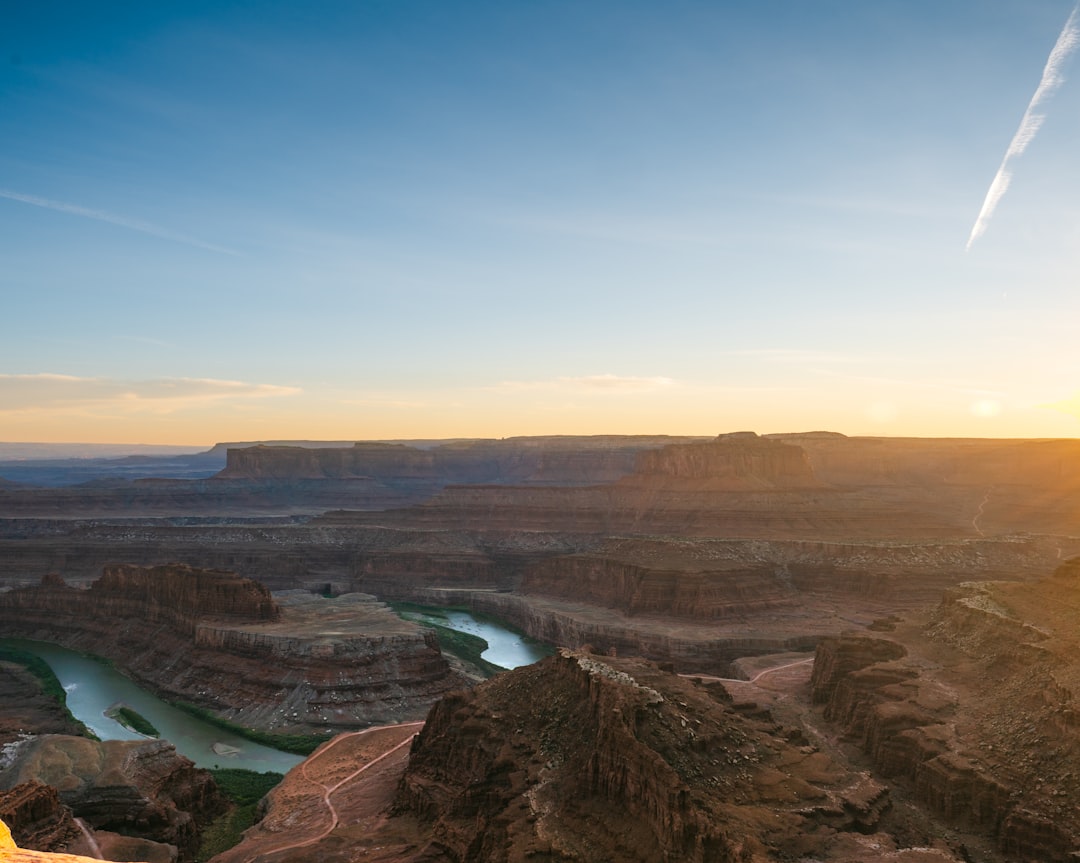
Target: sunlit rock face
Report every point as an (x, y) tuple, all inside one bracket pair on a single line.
[(738, 462), (298, 662)]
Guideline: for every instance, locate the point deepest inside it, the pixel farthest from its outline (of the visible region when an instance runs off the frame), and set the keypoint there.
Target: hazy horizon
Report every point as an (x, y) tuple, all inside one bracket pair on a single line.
[(40, 450), (235, 221)]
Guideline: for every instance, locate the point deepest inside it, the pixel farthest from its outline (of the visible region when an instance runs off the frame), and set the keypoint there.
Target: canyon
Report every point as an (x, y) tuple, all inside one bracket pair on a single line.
[(935, 722), (605, 541), (974, 709), (290, 663), (950, 735)]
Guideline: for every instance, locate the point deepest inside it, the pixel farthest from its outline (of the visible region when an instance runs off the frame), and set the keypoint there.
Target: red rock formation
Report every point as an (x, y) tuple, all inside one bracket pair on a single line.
[(838, 657), (617, 760), (221, 642), (738, 462), (136, 788), (36, 817), (708, 593), (26, 708), (977, 714)]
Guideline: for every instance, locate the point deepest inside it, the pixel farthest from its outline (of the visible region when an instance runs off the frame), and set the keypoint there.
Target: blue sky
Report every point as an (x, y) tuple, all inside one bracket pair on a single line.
[(225, 221)]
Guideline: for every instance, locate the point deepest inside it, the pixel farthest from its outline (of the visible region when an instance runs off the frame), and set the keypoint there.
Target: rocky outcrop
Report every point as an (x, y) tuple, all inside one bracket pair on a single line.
[(142, 789), (299, 662), (11, 853), (684, 592), (977, 714), (177, 595), (620, 761), (736, 462), (36, 817), (26, 708), (837, 658), (180, 595)]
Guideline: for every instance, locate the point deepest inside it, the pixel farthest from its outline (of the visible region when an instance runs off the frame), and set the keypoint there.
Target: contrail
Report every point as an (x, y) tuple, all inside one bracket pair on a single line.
[(102, 216), (1030, 123)]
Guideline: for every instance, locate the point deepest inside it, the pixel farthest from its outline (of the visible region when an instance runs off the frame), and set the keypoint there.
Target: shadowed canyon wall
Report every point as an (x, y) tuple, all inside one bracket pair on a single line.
[(978, 715), (620, 761)]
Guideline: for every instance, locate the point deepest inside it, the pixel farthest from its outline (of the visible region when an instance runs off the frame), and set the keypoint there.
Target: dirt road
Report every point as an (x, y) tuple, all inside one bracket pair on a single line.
[(305, 810)]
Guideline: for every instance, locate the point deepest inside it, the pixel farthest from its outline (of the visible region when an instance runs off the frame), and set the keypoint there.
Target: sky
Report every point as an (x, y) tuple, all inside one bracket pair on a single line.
[(421, 218)]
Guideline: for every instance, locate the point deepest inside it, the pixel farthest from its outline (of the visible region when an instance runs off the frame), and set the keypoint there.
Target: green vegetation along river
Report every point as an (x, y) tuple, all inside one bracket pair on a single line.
[(501, 647), (94, 689)]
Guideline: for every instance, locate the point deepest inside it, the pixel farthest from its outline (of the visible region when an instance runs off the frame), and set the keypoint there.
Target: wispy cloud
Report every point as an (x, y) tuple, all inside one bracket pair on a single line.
[(52, 392), (589, 383), (112, 219), (1031, 121)]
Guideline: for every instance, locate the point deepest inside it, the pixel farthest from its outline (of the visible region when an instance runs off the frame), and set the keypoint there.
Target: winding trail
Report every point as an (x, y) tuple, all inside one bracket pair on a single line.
[(753, 679), (328, 790), (979, 511)]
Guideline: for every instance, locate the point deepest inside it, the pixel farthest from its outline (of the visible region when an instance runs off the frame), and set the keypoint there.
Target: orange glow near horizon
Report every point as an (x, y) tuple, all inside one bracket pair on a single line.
[(198, 412), (201, 429)]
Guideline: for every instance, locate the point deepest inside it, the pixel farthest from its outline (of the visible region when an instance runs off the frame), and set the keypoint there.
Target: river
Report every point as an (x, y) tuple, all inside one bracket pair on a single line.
[(506, 648), (93, 687)]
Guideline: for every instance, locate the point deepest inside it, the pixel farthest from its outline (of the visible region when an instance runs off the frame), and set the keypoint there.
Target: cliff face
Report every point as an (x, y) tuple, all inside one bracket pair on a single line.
[(180, 595), (978, 713), (37, 819), (142, 789), (25, 707), (617, 760), (219, 641), (941, 461), (740, 462), (632, 589), (361, 460), (565, 460)]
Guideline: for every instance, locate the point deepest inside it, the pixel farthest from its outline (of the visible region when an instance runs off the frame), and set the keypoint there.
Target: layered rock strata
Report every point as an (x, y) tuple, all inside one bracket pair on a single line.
[(297, 661), (620, 761), (575, 460), (25, 708), (735, 462), (978, 714), (697, 647), (139, 789), (37, 819)]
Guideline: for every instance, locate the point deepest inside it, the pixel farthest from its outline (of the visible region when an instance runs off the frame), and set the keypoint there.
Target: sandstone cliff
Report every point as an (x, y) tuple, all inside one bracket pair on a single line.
[(37, 819), (709, 593), (300, 662), (739, 462), (25, 708), (565, 460), (620, 761), (978, 714), (139, 789)]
